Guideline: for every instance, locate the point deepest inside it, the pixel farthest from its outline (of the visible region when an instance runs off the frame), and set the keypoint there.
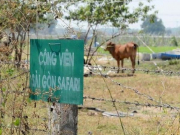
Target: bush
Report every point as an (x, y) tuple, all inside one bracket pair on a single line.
[(174, 41), (174, 62)]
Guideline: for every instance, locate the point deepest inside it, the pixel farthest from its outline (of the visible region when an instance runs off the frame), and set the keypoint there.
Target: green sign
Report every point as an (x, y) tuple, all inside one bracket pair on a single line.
[(56, 70)]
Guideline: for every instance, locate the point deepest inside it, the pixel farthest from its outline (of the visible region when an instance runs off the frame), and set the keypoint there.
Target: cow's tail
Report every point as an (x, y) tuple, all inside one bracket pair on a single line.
[(137, 48)]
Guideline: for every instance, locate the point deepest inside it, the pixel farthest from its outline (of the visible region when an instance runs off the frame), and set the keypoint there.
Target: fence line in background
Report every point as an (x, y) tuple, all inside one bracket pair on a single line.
[(170, 72)]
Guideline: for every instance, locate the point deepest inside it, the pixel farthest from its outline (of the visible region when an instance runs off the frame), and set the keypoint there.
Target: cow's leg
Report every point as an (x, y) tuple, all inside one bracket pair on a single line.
[(122, 65), (133, 63), (118, 66)]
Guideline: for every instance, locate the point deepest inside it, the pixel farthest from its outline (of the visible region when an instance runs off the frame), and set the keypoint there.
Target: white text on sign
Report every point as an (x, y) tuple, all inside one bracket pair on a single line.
[(50, 58)]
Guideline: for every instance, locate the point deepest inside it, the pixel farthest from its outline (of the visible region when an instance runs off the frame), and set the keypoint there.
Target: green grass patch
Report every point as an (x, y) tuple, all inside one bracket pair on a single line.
[(144, 49), (156, 49), (101, 50)]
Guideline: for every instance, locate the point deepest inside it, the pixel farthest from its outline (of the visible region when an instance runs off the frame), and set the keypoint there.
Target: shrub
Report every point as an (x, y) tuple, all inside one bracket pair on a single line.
[(174, 62), (174, 41)]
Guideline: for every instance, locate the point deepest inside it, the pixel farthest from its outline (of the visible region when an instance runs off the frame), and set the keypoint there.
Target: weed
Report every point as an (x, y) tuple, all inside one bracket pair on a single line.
[(174, 41), (174, 62)]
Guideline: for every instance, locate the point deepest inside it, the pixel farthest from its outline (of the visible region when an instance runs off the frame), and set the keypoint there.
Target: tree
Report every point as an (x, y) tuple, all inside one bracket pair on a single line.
[(19, 16), (153, 26), (114, 12)]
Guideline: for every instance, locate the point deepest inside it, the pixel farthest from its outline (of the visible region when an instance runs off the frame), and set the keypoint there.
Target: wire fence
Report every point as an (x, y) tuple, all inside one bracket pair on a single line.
[(115, 69), (95, 71), (20, 115), (131, 103), (35, 116)]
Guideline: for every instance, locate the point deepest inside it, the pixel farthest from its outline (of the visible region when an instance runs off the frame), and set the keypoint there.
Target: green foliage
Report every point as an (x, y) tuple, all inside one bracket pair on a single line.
[(18, 17), (28, 100), (153, 25), (3, 89), (3, 104), (0, 131), (105, 11), (100, 50), (174, 62), (10, 71), (144, 49), (174, 41), (16, 122), (102, 127), (156, 49), (19, 14), (170, 65)]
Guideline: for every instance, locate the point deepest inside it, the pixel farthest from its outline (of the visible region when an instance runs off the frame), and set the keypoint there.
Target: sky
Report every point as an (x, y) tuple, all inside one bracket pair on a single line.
[(168, 11)]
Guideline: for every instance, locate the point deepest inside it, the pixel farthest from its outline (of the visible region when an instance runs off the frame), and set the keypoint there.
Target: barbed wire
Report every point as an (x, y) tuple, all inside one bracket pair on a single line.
[(136, 91), (133, 103), (170, 72), (158, 104), (13, 62), (141, 94), (14, 77), (136, 103)]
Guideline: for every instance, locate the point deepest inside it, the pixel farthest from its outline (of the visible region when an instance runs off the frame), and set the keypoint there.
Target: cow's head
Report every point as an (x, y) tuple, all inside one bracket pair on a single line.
[(109, 46)]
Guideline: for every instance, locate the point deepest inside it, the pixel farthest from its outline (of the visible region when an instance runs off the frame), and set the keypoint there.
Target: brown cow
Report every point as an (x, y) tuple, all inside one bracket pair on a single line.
[(119, 52)]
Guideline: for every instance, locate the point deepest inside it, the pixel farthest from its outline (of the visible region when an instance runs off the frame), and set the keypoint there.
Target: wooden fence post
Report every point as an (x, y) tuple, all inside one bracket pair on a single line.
[(64, 119), (69, 119)]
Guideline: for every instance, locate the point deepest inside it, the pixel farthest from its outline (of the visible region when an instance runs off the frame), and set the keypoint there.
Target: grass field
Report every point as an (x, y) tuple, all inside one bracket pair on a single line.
[(144, 49), (147, 120), (155, 49), (140, 94)]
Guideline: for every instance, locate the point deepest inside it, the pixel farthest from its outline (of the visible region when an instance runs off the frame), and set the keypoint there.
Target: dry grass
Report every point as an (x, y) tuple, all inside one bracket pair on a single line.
[(148, 120)]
